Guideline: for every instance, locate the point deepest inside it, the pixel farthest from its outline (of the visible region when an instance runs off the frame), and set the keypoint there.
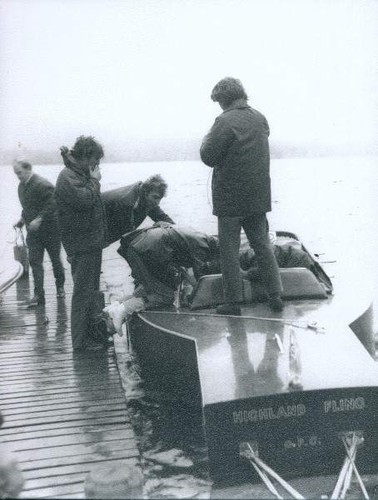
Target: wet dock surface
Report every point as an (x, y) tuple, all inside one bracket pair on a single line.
[(63, 413)]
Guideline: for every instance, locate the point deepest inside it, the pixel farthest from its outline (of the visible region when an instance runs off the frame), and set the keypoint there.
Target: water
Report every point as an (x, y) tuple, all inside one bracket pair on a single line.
[(330, 203)]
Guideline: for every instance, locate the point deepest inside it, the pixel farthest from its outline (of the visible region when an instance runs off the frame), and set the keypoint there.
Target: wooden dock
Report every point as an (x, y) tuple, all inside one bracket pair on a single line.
[(63, 413)]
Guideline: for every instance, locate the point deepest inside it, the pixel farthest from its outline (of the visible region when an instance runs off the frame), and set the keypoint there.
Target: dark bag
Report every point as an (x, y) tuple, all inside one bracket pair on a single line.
[(20, 250)]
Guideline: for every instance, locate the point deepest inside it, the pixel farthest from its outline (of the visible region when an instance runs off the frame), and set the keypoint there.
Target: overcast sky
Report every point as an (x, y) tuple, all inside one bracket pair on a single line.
[(139, 68)]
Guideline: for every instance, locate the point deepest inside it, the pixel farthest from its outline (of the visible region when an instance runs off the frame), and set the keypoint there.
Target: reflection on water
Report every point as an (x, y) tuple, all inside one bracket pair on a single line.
[(169, 434), (261, 374)]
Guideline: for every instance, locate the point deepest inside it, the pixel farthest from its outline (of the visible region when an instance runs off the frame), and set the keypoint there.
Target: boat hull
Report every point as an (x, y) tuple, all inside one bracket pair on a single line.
[(289, 384)]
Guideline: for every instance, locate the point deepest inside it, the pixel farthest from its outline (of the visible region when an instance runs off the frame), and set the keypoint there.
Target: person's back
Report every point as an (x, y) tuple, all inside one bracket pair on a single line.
[(241, 177), (237, 149)]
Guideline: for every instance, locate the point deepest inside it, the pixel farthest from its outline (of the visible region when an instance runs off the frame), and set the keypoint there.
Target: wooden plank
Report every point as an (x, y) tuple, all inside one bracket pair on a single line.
[(93, 422), (100, 387), (23, 383), (65, 460), (67, 418), (48, 472), (52, 385), (53, 492), (43, 369), (14, 408), (67, 431), (66, 440), (101, 449), (53, 410)]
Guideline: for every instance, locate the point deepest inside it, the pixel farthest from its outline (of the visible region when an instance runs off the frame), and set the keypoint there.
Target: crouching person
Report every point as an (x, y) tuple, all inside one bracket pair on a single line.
[(158, 258)]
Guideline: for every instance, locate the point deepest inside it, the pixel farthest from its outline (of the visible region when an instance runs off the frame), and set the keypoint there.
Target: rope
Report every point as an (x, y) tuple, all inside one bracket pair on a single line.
[(311, 325), (255, 461), (350, 442), (345, 476)]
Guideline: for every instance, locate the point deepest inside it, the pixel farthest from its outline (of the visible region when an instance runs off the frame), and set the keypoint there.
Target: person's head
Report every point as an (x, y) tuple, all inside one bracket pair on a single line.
[(87, 151), (153, 190), (228, 90), (22, 169)]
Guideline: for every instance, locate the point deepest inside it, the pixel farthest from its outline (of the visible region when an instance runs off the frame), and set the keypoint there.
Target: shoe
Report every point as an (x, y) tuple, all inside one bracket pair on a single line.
[(275, 303), (229, 309), (60, 293), (36, 301)]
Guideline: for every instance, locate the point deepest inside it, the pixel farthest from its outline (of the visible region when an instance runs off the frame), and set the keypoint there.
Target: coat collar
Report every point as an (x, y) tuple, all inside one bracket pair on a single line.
[(238, 104)]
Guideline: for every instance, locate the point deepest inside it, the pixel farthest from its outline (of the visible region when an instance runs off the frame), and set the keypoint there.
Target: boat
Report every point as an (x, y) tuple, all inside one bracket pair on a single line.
[(290, 387), (9, 274)]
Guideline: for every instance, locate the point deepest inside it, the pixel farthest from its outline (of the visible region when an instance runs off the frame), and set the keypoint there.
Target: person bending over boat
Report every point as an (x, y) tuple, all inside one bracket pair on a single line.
[(127, 207), (158, 257), (162, 258), (237, 149)]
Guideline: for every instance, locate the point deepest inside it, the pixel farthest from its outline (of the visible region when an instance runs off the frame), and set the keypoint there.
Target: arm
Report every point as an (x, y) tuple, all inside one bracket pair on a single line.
[(217, 142), (158, 215), (20, 223), (45, 193), (78, 191)]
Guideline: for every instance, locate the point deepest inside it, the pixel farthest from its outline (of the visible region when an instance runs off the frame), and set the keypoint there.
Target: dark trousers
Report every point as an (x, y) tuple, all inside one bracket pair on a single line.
[(256, 229), (156, 292), (86, 270), (37, 242)]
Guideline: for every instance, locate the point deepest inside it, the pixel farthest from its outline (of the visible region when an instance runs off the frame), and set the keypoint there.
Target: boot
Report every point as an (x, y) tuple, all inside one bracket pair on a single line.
[(36, 300)]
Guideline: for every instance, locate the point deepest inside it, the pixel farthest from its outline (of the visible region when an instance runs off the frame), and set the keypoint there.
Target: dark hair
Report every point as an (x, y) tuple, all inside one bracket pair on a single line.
[(87, 147), (23, 164), (154, 183), (228, 90)]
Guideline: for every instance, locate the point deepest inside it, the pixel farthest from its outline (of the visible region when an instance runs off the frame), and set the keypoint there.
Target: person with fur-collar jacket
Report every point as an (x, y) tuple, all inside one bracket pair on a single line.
[(82, 226)]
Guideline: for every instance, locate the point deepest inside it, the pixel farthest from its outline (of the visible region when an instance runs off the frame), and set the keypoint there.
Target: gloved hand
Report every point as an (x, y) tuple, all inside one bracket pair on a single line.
[(118, 312)]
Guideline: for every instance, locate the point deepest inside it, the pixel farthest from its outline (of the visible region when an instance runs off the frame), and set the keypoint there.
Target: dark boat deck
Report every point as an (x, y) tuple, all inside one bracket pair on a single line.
[(63, 413)]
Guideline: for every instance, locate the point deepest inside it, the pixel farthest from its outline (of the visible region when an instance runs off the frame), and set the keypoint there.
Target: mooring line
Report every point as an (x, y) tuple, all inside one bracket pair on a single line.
[(311, 325)]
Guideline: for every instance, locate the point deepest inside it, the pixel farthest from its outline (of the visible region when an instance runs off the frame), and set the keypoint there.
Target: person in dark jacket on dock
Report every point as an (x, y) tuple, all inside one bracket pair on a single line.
[(39, 214), (82, 225), (237, 149), (127, 207)]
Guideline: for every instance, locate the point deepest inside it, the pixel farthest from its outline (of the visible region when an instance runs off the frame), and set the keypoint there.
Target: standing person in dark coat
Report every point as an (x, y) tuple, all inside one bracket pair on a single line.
[(82, 225), (237, 149), (39, 214), (127, 207)]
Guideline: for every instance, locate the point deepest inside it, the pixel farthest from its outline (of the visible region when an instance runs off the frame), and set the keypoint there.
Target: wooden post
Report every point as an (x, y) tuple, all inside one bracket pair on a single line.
[(112, 481)]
